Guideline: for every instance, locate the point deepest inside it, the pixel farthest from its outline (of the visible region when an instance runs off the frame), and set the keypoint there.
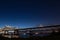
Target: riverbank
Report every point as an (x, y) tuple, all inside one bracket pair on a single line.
[(51, 37)]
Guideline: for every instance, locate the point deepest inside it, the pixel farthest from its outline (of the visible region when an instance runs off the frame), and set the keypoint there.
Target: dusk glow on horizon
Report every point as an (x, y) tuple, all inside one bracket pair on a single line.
[(29, 13)]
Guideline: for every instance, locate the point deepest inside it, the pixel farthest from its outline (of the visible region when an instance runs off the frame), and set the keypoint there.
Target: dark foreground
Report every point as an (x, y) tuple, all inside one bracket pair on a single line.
[(51, 37)]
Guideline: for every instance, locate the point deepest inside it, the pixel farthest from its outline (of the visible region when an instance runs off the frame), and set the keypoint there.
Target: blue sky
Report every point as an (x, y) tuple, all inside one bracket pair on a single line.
[(28, 13)]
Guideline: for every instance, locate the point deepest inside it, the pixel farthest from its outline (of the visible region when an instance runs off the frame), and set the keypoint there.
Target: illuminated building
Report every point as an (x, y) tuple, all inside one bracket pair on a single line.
[(13, 32)]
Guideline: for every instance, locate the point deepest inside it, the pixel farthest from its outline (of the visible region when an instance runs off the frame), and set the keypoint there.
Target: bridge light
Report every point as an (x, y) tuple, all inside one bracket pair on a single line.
[(24, 33), (36, 33), (56, 31)]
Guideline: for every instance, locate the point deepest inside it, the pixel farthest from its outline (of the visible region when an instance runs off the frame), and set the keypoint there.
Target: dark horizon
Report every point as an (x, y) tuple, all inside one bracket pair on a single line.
[(27, 13)]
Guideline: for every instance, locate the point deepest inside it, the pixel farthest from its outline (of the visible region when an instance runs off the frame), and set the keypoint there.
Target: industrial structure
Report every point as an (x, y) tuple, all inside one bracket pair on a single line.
[(12, 32)]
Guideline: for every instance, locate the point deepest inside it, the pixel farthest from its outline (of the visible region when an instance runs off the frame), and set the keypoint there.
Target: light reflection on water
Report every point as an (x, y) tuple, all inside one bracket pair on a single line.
[(27, 35)]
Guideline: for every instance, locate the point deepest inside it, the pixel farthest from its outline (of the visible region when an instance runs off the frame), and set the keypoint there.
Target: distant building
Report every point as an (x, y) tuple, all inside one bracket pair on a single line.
[(39, 31), (12, 32), (8, 31)]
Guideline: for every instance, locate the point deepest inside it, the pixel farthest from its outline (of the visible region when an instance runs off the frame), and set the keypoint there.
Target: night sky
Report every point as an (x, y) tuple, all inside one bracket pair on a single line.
[(28, 13)]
